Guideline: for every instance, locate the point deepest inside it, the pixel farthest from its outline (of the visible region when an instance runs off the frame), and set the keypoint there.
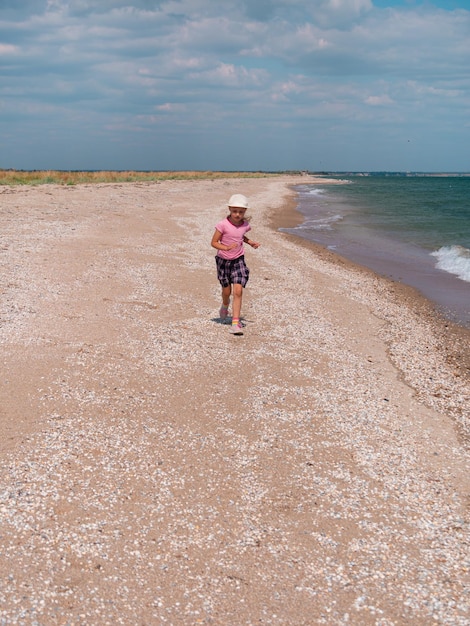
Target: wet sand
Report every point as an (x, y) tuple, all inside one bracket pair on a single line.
[(156, 469)]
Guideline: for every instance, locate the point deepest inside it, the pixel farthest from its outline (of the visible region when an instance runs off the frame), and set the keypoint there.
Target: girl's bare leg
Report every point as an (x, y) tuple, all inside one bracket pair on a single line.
[(237, 301), (226, 291)]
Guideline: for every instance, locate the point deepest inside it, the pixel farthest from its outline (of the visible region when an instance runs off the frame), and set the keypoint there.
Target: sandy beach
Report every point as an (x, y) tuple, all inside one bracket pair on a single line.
[(157, 470)]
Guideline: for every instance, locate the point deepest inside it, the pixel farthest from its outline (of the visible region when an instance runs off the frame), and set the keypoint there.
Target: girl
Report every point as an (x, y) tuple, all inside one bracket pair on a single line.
[(228, 240)]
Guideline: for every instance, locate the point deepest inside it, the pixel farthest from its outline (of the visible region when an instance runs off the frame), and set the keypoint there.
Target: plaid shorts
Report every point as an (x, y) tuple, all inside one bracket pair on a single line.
[(232, 271)]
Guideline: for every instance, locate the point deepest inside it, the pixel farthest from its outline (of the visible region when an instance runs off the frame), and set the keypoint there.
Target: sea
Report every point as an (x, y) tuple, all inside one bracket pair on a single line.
[(412, 228)]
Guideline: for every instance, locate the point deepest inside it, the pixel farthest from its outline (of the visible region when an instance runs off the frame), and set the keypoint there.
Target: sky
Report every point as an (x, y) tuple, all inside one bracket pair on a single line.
[(235, 85)]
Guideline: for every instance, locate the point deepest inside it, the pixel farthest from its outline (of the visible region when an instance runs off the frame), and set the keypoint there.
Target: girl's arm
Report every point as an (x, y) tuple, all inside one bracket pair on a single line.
[(218, 245), (250, 242)]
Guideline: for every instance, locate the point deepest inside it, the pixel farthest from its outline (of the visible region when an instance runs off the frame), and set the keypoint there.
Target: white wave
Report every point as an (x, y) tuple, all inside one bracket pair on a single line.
[(322, 223), (316, 192), (455, 260)]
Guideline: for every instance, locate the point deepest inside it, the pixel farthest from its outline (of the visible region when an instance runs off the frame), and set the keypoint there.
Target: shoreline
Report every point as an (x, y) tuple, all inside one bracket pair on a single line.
[(385, 254), (157, 469), (456, 336)]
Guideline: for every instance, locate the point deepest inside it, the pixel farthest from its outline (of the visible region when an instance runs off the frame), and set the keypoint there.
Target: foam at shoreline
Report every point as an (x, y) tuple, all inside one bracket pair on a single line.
[(455, 260)]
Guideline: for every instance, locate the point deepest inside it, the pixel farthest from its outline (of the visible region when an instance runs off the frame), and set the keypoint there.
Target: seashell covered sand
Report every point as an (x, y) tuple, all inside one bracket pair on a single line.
[(157, 470)]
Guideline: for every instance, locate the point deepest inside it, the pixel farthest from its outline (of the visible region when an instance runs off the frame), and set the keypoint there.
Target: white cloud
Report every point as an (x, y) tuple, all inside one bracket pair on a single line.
[(171, 107), (6, 49), (340, 13), (232, 76), (378, 100)]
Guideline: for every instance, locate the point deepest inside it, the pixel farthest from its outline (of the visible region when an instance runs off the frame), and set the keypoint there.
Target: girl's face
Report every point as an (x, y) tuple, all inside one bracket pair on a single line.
[(237, 215)]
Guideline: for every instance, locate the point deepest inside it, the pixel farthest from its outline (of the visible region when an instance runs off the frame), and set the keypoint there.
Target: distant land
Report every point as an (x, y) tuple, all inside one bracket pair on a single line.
[(386, 173)]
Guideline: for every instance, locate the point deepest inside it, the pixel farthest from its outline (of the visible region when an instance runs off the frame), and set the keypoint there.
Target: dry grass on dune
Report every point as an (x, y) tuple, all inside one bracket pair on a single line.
[(62, 177)]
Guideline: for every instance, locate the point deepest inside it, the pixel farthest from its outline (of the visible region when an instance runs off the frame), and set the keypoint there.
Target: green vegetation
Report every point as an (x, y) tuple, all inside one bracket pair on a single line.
[(62, 177)]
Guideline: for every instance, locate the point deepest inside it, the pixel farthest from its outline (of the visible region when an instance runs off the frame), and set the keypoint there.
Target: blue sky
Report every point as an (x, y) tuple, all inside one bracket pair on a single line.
[(235, 84)]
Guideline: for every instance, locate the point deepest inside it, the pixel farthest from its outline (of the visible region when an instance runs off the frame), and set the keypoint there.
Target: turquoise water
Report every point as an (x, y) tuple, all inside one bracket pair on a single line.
[(414, 229)]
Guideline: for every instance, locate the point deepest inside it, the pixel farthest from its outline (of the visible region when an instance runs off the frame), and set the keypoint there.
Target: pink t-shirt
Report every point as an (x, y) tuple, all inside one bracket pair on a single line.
[(232, 234)]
